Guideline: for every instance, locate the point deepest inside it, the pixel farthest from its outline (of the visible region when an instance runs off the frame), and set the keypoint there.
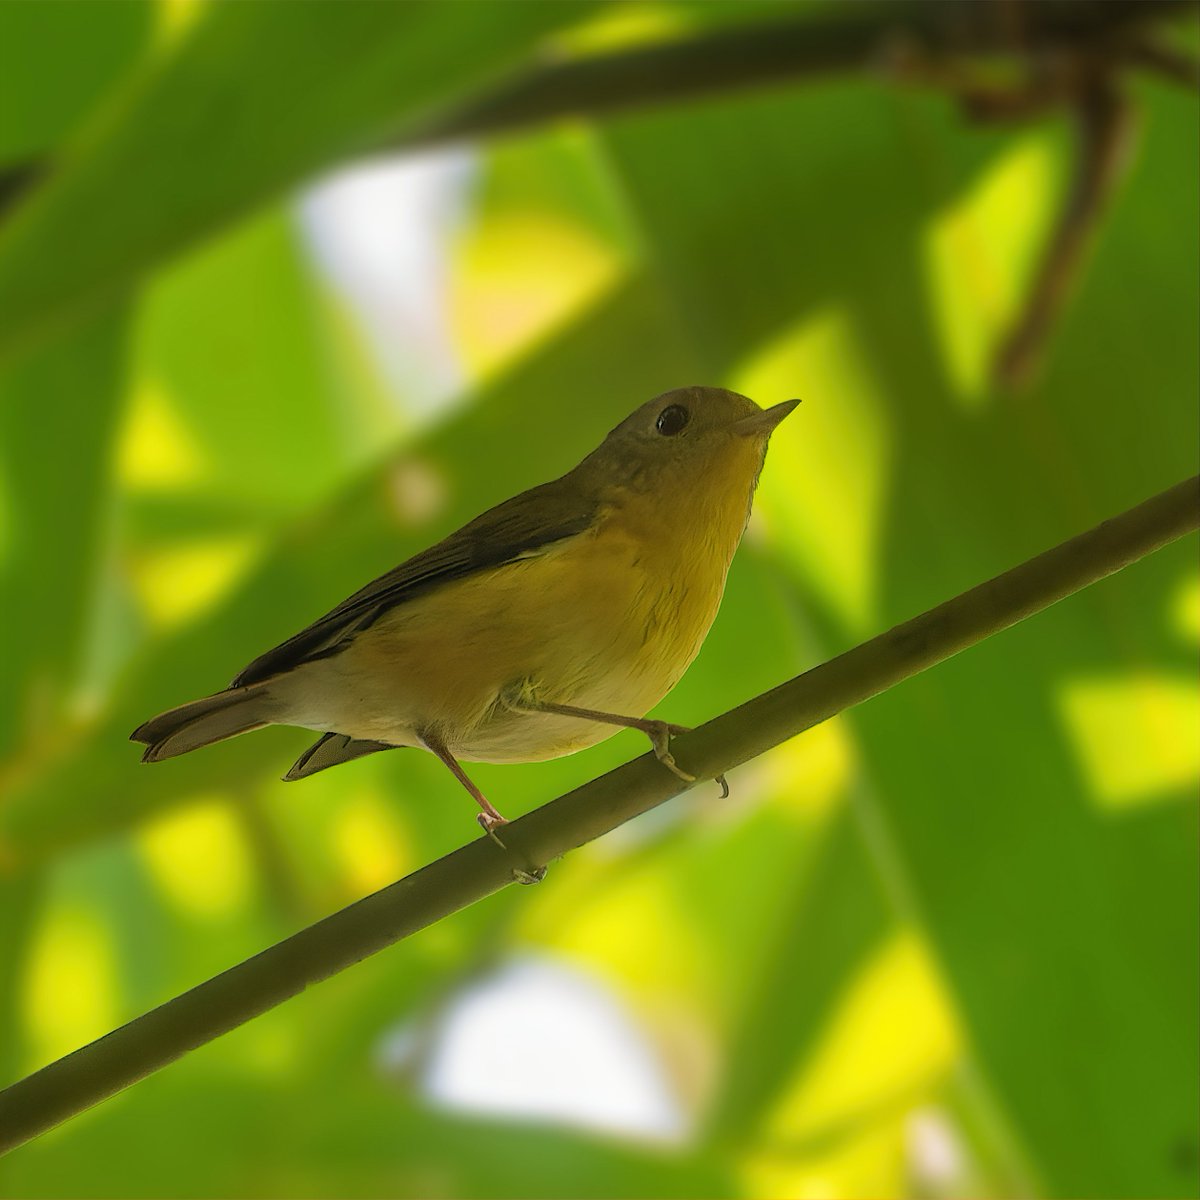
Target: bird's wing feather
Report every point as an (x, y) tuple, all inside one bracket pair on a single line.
[(523, 526), (330, 751)]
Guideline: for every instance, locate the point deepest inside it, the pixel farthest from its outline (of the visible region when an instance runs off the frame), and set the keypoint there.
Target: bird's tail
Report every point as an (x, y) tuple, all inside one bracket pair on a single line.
[(202, 722)]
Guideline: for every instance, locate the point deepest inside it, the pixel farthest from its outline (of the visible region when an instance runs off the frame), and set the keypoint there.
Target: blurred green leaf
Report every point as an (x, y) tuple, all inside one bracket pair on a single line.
[(20, 897), (246, 1137), (56, 61), (232, 336), (254, 99), (54, 524), (836, 915), (55, 517)]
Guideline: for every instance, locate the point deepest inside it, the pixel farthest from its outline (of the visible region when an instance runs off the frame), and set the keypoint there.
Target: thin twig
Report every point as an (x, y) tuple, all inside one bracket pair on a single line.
[(17, 178), (1150, 53), (1083, 79), (75, 1083), (281, 883), (1106, 126)]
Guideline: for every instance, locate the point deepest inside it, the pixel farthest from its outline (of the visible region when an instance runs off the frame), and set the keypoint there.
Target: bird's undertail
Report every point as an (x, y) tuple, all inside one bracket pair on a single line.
[(330, 751), (202, 722)]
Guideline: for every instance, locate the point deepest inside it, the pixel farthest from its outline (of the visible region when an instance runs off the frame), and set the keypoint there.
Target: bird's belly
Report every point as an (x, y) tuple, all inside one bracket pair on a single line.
[(512, 734), (583, 625)]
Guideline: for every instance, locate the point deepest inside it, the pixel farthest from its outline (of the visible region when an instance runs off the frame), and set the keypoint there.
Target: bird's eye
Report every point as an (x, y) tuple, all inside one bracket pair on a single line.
[(672, 419)]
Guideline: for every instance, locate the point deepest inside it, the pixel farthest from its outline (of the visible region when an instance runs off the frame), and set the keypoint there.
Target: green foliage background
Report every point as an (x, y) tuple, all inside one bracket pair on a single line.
[(974, 900)]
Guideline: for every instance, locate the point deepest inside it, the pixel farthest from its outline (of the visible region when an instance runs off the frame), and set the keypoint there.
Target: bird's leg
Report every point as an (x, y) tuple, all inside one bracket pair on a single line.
[(659, 732), (490, 817)]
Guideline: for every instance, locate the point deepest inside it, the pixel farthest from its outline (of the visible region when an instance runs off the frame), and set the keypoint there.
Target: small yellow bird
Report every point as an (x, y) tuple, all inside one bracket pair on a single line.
[(537, 629)]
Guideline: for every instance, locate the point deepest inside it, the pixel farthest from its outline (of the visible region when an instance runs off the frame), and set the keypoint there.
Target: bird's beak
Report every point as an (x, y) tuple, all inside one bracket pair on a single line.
[(762, 423)]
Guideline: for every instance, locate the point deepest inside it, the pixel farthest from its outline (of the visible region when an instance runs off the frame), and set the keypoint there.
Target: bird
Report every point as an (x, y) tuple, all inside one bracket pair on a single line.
[(540, 628)]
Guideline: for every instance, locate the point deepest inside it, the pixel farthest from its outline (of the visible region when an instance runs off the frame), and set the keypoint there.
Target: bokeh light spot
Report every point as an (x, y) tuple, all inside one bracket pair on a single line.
[(177, 584), (71, 982), (822, 497), (810, 773), (635, 932), (538, 1041), (198, 859), (176, 18), (522, 276), (615, 26), (156, 452), (370, 844), (1136, 738), (1185, 608), (893, 1032), (419, 491), (865, 1161), (979, 257)]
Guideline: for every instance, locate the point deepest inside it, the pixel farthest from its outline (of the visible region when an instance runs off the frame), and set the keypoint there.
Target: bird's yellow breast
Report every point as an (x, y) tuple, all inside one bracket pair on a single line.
[(608, 620)]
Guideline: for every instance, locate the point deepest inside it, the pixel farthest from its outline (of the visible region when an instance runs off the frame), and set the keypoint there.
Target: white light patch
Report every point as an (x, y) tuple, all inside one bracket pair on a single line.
[(382, 233), (538, 1041), (934, 1148)]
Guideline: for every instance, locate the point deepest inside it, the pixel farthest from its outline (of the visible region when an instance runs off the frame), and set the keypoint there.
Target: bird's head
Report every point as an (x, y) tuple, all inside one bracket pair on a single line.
[(694, 439)]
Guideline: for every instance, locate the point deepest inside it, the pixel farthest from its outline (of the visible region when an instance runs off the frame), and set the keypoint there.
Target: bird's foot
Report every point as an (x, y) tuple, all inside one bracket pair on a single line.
[(490, 821), (529, 877), (661, 741), (660, 734)]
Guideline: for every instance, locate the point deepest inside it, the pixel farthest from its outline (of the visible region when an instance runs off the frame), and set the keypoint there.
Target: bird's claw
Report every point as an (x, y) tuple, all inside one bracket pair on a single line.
[(529, 877), (660, 734), (661, 741), (490, 823), (668, 761)]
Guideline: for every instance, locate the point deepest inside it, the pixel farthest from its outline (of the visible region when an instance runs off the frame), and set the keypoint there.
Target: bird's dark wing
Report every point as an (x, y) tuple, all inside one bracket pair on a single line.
[(518, 528)]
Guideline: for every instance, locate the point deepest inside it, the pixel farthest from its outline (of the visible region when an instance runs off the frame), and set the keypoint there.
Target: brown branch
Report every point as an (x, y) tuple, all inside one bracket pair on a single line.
[(1084, 78), (1148, 52), (73, 1084), (16, 179), (1106, 127), (847, 38)]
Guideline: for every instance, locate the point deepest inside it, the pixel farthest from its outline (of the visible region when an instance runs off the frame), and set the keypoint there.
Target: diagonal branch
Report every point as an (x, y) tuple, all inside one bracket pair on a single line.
[(99, 1070), (1106, 128)]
